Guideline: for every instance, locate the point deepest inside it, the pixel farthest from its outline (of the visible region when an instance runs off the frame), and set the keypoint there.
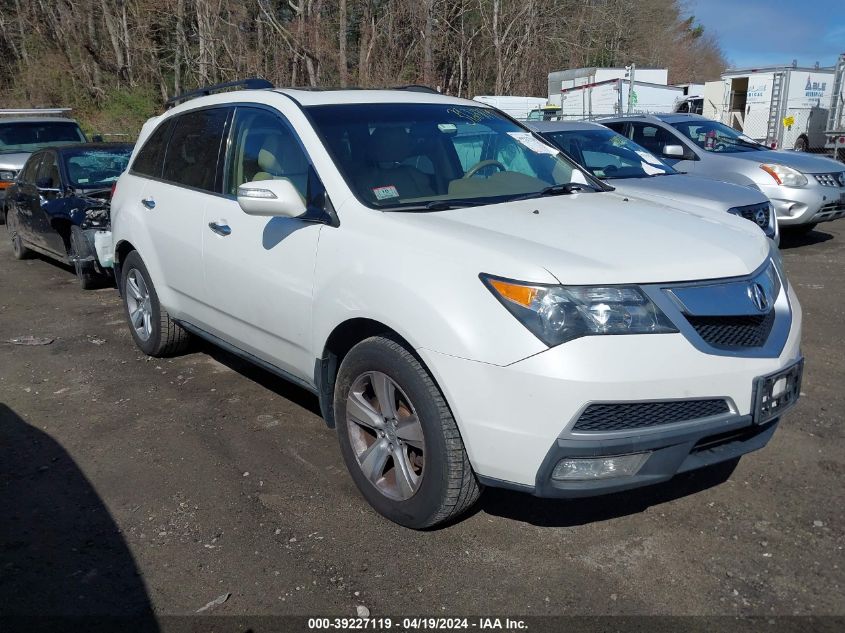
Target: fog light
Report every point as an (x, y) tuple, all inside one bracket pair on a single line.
[(590, 468)]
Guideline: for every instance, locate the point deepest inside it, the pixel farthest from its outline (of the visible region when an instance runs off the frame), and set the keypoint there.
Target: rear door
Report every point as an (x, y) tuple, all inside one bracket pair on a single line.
[(181, 177), (259, 270)]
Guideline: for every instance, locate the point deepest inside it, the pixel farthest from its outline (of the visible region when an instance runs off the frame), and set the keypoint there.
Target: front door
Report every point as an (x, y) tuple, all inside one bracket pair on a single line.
[(49, 183), (258, 270)]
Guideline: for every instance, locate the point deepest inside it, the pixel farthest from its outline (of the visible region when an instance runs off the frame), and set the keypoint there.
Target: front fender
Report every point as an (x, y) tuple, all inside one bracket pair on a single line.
[(433, 301)]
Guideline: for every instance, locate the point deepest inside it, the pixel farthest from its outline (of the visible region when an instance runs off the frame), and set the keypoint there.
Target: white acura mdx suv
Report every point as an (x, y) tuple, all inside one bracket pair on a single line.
[(469, 307)]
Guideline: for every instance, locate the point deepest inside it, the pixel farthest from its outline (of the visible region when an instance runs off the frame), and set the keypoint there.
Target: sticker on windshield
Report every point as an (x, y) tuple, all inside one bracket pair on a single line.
[(649, 158), (531, 142), (385, 193)]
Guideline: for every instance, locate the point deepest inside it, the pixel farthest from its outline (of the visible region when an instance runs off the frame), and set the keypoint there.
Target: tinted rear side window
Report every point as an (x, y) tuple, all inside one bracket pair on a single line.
[(150, 158), (194, 148)]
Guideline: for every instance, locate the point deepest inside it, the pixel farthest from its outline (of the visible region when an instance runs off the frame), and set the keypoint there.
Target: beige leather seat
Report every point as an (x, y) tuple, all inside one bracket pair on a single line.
[(388, 147)]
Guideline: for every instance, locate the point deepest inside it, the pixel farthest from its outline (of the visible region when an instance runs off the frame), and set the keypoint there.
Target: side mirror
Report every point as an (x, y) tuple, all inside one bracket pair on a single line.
[(675, 151), (270, 198), (97, 138)]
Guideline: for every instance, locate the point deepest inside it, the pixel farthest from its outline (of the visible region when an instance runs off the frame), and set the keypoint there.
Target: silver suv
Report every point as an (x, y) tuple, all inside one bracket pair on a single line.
[(804, 189)]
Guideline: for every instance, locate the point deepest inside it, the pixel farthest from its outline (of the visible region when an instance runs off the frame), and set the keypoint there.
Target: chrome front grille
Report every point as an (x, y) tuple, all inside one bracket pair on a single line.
[(742, 316), (760, 214), (622, 416), (836, 179)]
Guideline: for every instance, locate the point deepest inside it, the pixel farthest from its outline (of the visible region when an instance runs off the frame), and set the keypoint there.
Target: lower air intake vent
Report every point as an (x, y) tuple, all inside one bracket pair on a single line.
[(640, 415)]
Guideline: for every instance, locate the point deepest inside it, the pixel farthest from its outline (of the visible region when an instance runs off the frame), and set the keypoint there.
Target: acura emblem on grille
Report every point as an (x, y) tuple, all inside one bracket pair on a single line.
[(758, 297), (760, 218)]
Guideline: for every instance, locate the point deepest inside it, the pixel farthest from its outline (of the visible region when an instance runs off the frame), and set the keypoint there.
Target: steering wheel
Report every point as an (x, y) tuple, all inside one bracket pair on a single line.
[(609, 170), (481, 165)]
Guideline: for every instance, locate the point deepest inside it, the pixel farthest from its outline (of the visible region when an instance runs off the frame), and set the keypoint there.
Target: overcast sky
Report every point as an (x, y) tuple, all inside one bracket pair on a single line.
[(768, 32)]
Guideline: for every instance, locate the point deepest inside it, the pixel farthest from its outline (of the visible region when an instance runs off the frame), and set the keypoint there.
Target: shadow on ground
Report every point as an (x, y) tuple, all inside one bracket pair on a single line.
[(522, 507), (788, 239), (63, 558)]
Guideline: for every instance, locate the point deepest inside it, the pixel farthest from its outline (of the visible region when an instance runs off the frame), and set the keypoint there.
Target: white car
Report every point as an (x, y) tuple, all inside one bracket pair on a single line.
[(469, 307), (633, 170)]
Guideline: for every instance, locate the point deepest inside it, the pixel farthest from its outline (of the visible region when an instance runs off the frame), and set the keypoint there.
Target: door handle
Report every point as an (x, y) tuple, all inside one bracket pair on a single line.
[(220, 229), (149, 203)]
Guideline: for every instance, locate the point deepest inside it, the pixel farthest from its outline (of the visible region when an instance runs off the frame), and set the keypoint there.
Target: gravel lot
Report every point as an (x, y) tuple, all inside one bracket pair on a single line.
[(133, 484)]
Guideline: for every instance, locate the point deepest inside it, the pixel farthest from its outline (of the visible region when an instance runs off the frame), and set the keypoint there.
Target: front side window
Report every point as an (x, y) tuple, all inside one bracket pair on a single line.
[(48, 173), (26, 136), (712, 136), (608, 155), (93, 168), (396, 155), (264, 148), (652, 137), (194, 148), (30, 170)]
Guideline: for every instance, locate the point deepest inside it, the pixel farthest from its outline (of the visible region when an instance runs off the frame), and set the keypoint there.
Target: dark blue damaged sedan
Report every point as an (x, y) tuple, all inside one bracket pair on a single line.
[(59, 201)]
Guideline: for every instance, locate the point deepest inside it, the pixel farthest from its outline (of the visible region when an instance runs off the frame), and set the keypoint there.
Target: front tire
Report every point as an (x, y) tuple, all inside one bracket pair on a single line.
[(155, 333), (801, 144), (19, 249), (398, 437)]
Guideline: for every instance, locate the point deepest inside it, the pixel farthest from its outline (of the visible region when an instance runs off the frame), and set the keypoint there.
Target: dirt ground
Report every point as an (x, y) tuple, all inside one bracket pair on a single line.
[(136, 485)]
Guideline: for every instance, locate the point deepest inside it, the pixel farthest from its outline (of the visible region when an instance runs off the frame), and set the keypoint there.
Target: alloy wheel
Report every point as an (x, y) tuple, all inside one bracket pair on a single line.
[(386, 435), (139, 305)]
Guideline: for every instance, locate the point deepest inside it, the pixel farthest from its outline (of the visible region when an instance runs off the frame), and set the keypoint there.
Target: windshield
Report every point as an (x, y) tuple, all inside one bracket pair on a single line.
[(92, 168), (608, 155), (396, 155), (28, 136), (712, 136)]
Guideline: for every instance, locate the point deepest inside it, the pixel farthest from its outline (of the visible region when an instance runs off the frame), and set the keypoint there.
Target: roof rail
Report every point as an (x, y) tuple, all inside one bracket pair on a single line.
[(417, 88), (34, 111), (253, 83)]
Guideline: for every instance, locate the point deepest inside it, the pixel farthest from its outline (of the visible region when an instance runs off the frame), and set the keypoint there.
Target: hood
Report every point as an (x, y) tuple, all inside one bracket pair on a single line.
[(591, 238), (806, 163), (690, 191), (13, 160)]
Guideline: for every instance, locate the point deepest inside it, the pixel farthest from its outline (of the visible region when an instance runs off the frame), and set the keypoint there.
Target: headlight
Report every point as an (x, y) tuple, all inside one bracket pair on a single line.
[(7, 175), (556, 314), (784, 175)]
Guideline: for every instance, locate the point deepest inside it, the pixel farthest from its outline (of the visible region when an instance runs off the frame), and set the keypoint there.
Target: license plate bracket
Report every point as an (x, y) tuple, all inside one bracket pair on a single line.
[(777, 392)]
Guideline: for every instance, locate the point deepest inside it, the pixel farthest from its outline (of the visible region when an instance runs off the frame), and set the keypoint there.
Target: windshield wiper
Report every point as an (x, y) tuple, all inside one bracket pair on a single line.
[(437, 205), (557, 190)]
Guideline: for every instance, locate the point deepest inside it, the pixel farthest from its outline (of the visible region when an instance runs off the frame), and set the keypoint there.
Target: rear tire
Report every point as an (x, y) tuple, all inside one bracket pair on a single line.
[(155, 333), (409, 462), (87, 274)]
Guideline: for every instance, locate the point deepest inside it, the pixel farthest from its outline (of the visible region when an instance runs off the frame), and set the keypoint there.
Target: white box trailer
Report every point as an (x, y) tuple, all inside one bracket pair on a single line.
[(610, 98), (517, 107), (835, 128), (785, 106)]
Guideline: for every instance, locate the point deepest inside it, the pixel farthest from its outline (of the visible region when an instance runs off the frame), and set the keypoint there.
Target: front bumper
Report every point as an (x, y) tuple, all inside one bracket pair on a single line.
[(517, 421), (806, 205)]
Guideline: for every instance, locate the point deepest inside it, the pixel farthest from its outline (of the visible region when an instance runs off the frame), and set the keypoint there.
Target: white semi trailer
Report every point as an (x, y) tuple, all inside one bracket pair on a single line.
[(782, 106), (610, 98)]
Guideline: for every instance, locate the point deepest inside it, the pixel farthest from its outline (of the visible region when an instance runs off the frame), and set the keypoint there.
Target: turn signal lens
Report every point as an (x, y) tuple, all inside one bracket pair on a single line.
[(523, 295), (784, 175)]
